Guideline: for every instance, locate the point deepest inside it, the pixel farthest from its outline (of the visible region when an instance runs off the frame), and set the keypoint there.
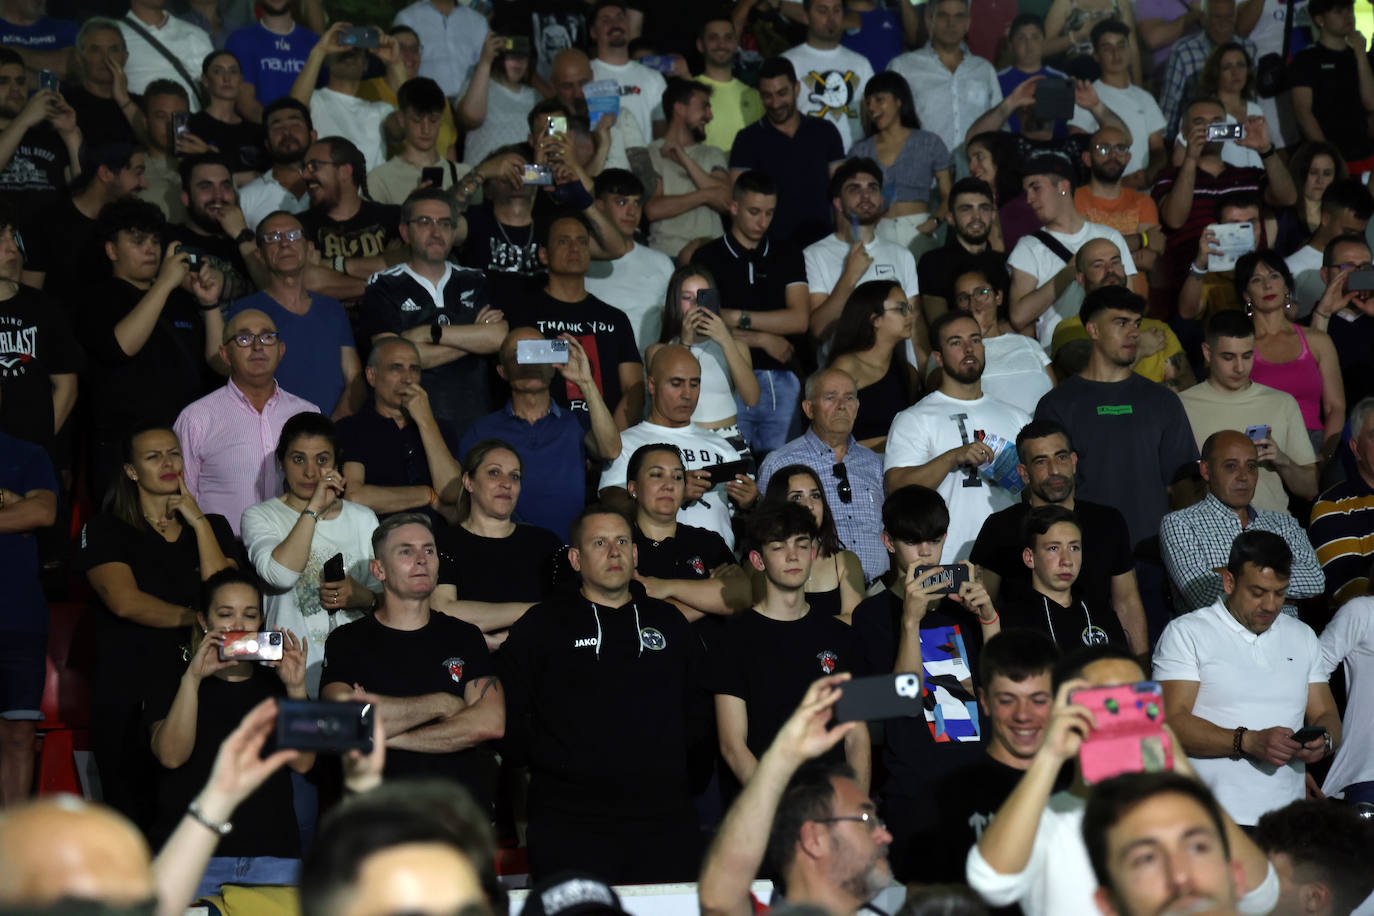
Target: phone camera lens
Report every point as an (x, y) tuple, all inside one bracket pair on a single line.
[(275, 639)]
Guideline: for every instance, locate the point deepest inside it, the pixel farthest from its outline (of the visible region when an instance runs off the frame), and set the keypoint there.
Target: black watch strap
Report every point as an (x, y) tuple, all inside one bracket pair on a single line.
[(247, 235), (436, 332)]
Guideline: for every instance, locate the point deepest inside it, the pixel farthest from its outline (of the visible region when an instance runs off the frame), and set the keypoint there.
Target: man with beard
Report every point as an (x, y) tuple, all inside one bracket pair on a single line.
[(972, 214), (800, 154), (1042, 263), (693, 186), (271, 52), (832, 76), (1048, 465), (826, 847), (355, 237), (937, 441), (214, 227), (737, 103), (290, 133), (1107, 200), (641, 89), (442, 308), (1196, 541), (40, 142), (1125, 427)]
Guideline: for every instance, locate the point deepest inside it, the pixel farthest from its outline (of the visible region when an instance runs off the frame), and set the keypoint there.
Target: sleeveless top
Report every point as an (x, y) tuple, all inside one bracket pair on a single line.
[(826, 603), (881, 401), (1301, 377), (717, 399)]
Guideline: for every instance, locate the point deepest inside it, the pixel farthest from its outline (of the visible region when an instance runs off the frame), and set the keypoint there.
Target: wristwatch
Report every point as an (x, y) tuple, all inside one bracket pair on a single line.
[(436, 332), (247, 235), (745, 322)]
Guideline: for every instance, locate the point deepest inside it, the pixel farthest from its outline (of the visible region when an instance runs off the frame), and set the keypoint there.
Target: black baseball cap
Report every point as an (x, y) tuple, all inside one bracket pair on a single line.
[(572, 893), (1049, 164)]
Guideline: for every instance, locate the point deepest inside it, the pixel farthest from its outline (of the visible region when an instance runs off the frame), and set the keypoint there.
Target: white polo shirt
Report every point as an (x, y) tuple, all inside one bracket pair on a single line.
[(1258, 681)]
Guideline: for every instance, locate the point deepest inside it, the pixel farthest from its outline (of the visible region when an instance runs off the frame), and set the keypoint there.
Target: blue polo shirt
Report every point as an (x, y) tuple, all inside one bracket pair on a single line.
[(554, 486)]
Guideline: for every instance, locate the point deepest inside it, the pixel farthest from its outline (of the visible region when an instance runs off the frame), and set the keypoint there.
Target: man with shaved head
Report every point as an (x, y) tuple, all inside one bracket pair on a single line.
[(1197, 540), (571, 71), (229, 436), (674, 385)]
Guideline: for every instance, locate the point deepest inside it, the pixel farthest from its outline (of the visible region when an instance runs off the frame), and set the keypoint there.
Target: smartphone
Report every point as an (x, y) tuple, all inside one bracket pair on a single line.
[(1054, 99), (181, 124), (195, 258), (1256, 433), (517, 44), (541, 352), (950, 577), (883, 696), (333, 569), (1360, 280), (251, 647), (1223, 130), (1234, 240), (48, 80), (538, 173), (854, 228), (1129, 737), (1309, 733), (360, 37), (334, 728), (434, 175), (557, 124), (724, 473), (709, 299)]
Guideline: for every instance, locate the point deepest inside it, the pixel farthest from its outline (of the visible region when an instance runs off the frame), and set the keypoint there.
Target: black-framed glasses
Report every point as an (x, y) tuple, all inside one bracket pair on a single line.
[(843, 489), (314, 165), (245, 340), (868, 818), (982, 293)]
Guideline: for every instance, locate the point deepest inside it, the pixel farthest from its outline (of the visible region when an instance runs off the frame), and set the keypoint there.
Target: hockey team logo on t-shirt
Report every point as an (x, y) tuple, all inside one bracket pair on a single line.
[(833, 91), (828, 660), (455, 669)]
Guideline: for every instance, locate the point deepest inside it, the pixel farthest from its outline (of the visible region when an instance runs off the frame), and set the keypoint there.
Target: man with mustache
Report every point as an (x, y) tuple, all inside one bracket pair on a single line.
[(1048, 464), (641, 89), (972, 216), (215, 229)]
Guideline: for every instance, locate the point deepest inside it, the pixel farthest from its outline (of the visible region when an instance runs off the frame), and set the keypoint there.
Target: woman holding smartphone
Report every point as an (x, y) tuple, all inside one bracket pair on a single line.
[(691, 317), (189, 718), (311, 546), (146, 556)]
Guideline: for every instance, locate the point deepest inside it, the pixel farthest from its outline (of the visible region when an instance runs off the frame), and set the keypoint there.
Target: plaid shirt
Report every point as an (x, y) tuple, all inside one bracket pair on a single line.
[(1197, 540), (1181, 73), (858, 522)]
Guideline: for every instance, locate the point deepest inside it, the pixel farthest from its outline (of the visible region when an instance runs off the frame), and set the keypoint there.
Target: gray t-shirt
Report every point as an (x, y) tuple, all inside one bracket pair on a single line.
[(911, 176)]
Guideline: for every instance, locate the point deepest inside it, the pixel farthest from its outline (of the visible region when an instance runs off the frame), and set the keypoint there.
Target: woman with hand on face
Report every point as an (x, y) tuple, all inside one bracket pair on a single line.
[(1313, 167), (146, 557), (291, 539), (189, 717), (726, 366), (220, 127), (870, 346), (836, 585)]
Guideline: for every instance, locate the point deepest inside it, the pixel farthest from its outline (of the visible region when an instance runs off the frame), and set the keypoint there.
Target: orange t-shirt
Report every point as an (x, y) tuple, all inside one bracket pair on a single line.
[(1126, 214)]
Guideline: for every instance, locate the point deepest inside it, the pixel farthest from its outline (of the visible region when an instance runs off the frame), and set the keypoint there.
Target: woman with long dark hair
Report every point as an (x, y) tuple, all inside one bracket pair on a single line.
[(836, 585), (241, 142), (993, 158), (1313, 167), (870, 346)]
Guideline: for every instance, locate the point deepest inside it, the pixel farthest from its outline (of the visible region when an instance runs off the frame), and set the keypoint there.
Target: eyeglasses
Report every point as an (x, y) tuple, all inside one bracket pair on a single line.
[(1106, 149), (314, 165), (424, 222), (982, 293), (245, 340), (904, 309), (843, 490), (868, 818), (1349, 266), (277, 236)]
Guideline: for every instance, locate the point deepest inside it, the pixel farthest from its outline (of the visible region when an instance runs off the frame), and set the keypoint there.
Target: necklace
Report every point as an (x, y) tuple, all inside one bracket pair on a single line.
[(161, 524)]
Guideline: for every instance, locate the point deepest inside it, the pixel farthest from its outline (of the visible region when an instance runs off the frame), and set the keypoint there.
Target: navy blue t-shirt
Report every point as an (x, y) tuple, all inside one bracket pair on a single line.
[(310, 368), (800, 164), (46, 34)]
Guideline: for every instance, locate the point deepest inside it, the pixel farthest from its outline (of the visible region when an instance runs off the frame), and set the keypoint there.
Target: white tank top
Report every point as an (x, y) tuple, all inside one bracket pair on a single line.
[(717, 400)]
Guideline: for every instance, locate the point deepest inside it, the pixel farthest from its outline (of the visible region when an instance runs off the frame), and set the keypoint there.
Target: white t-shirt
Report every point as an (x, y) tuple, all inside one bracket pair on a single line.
[(1258, 681), (641, 92), (637, 284), (453, 43), (934, 425), (507, 122), (700, 449), (825, 262), (357, 120), (1031, 256), (1305, 258), (1059, 881), (1349, 638), (293, 598), (831, 85), (1015, 372), (263, 195), (1136, 108), (188, 43)]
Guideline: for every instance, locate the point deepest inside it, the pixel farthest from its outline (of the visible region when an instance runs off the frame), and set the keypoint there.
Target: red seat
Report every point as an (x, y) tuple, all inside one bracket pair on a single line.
[(66, 708)]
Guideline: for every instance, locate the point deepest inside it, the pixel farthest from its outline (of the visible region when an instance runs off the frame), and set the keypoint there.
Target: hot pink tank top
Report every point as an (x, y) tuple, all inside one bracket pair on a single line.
[(1300, 377)]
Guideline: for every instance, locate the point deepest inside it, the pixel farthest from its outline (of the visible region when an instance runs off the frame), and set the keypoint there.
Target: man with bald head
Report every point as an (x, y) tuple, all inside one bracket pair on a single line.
[(674, 385), (551, 442), (229, 436), (851, 474), (1197, 540), (571, 71)]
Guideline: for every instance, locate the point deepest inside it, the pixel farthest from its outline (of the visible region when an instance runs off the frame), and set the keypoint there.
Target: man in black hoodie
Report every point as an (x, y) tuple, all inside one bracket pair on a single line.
[(603, 697)]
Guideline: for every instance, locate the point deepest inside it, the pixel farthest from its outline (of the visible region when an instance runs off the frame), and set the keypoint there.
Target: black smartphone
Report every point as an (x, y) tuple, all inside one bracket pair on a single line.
[(883, 696), (1309, 733), (334, 568), (434, 174), (724, 473), (48, 80), (195, 258), (360, 37), (517, 44), (709, 299), (950, 577), (1054, 99), (332, 728), (1360, 280)]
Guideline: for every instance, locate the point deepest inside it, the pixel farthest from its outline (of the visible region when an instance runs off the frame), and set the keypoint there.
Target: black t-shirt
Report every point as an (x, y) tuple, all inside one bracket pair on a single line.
[(60, 242), (35, 177), (515, 568), (1070, 148), (443, 656), (1354, 340), (938, 269), (264, 823), (753, 279), (1331, 75), (224, 256), (769, 664), (397, 299), (169, 571), (241, 143), (691, 553), (100, 119), (496, 248), (154, 384), (36, 343), (1083, 624), (391, 455), (800, 164), (603, 331), (1106, 549), (366, 235)]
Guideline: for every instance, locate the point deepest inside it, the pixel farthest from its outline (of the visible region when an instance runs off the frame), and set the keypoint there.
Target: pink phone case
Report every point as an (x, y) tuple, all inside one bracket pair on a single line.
[(1128, 737)]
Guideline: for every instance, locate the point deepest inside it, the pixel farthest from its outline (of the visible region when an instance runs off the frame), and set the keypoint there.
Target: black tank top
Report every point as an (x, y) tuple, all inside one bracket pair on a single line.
[(881, 401)]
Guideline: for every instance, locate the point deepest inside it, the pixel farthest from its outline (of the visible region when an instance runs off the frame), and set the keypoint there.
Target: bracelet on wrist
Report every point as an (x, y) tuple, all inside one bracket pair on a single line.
[(995, 617), (1237, 742), (310, 512), (200, 817), (433, 497), (1196, 271)]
